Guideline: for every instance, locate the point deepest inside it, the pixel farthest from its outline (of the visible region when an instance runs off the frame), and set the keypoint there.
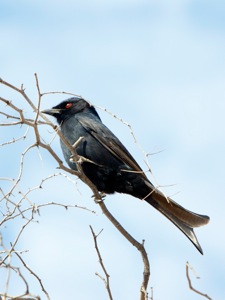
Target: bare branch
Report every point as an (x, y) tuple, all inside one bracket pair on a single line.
[(16, 240), (106, 281), (62, 92), (14, 209), (190, 284), (136, 244), (34, 274)]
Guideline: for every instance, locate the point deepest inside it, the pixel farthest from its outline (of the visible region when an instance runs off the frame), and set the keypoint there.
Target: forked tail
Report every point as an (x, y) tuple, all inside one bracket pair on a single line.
[(184, 219)]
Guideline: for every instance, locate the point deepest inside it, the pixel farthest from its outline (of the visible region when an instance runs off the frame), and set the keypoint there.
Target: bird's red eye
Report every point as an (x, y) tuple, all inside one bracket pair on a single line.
[(69, 105)]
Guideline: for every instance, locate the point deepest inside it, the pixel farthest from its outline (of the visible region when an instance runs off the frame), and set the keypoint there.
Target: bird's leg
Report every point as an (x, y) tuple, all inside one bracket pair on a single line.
[(102, 196)]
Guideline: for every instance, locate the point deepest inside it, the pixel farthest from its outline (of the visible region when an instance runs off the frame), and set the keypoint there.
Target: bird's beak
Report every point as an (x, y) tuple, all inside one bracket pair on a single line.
[(52, 112)]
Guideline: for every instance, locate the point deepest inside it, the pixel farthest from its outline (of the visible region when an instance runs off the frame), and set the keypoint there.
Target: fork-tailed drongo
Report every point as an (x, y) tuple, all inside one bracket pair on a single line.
[(111, 167)]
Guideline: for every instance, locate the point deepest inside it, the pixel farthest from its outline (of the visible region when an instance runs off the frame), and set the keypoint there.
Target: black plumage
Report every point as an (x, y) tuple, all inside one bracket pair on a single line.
[(111, 167)]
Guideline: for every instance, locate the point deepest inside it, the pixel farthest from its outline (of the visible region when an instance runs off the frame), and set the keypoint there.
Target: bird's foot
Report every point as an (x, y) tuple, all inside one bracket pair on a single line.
[(102, 197)]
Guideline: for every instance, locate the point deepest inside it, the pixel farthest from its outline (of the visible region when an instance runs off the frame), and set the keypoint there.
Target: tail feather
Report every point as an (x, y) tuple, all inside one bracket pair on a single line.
[(184, 219)]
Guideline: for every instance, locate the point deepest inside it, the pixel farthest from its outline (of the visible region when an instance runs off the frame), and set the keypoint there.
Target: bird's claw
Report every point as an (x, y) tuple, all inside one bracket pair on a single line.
[(102, 197)]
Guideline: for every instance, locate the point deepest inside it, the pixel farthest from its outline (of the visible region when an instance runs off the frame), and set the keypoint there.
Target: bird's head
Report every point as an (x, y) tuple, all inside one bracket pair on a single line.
[(68, 108)]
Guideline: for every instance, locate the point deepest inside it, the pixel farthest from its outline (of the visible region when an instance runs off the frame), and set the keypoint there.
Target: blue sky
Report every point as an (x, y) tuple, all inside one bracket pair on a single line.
[(159, 65)]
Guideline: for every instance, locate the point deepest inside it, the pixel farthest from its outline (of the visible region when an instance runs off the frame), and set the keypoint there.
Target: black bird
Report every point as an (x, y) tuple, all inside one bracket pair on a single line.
[(111, 167)]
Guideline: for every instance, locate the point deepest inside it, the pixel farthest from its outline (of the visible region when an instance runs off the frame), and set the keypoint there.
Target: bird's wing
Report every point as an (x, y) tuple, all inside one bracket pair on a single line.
[(108, 140)]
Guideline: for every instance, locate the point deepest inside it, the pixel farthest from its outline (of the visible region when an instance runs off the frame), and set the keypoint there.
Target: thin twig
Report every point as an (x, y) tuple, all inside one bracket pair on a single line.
[(105, 280), (190, 284), (34, 274), (140, 247)]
